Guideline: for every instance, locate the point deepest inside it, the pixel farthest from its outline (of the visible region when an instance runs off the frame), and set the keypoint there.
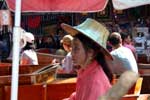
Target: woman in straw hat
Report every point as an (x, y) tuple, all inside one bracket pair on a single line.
[(89, 52), (28, 55)]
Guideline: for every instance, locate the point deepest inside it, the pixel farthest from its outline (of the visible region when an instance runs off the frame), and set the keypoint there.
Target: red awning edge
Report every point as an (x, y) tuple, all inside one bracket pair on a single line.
[(59, 5)]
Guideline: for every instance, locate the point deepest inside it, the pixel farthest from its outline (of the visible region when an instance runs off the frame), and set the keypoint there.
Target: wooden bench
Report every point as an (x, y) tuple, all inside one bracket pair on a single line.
[(144, 71), (134, 91), (26, 76), (43, 58), (29, 73), (23, 69), (56, 91), (136, 88), (60, 91), (26, 92), (5, 68), (5, 75)]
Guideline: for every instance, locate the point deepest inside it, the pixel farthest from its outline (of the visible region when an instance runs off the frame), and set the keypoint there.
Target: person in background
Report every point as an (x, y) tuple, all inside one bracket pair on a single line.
[(61, 53), (28, 55), (123, 57), (139, 42), (67, 64), (4, 49), (1, 48), (127, 42), (89, 52), (49, 43)]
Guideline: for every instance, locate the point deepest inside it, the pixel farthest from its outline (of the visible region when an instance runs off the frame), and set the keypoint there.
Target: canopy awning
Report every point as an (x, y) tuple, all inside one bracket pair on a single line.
[(125, 4), (59, 5), (55, 6), (73, 5)]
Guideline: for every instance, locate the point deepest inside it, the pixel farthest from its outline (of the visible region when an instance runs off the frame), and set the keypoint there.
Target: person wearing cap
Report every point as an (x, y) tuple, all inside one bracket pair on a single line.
[(89, 52), (123, 57), (28, 55)]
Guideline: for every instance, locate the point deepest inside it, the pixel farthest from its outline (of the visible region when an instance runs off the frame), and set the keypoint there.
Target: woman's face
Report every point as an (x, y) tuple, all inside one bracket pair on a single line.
[(78, 53), (66, 47), (128, 40)]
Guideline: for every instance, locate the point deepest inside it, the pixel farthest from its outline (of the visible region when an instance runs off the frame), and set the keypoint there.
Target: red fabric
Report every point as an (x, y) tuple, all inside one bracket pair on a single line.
[(34, 22), (59, 5)]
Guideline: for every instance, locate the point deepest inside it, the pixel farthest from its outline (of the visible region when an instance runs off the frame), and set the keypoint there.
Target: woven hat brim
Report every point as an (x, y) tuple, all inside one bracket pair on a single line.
[(73, 31)]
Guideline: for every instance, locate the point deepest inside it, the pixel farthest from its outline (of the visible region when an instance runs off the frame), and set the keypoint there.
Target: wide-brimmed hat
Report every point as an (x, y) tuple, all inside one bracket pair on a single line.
[(94, 30)]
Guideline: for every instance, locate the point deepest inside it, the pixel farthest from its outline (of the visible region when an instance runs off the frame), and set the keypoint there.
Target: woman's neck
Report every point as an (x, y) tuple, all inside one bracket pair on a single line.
[(87, 62)]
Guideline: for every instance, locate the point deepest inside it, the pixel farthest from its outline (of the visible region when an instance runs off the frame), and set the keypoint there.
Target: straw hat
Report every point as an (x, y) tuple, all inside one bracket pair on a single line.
[(93, 30)]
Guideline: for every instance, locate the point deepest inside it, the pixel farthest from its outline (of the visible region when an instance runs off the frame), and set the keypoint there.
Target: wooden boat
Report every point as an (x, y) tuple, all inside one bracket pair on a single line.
[(59, 89), (33, 79), (29, 75), (56, 89)]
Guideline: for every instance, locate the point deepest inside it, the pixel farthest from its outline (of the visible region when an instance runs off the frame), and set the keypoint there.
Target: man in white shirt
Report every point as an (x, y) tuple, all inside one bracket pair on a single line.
[(123, 57)]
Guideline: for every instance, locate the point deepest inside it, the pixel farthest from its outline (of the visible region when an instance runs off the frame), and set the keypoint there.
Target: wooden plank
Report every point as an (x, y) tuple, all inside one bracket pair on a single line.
[(23, 69), (140, 97), (138, 86), (27, 92), (46, 59), (31, 77), (43, 50), (143, 66), (130, 97), (135, 89), (57, 91), (60, 91)]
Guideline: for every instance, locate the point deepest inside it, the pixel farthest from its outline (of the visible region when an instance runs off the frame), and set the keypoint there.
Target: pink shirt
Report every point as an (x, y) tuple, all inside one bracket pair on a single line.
[(91, 83), (131, 47)]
